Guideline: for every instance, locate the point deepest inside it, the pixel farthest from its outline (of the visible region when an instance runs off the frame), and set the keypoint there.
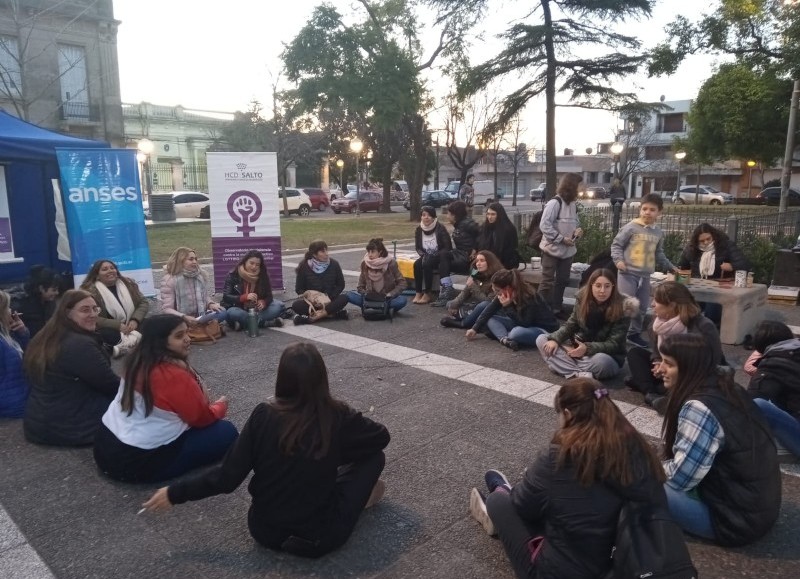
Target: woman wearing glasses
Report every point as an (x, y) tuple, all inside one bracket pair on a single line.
[(70, 375)]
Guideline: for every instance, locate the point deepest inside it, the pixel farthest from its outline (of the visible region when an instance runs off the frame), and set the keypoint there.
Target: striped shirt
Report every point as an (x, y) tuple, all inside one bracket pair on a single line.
[(698, 440)]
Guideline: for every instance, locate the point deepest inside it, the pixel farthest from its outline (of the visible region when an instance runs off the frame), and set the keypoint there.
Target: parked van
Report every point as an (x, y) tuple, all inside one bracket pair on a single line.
[(484, 191), (399, 191)]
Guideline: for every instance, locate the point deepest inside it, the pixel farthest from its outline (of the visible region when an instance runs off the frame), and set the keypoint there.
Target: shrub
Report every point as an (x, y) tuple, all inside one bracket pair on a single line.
[(761, 251)]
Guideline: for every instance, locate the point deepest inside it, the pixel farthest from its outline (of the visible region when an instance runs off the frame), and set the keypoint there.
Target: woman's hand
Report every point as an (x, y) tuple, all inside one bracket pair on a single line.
[(656, 369), (725, 266), (260, 305), (578, 233), (158, 502), (621, 266), (550, 347), (16, 324), (505, 299), (190, 321), (471, 334), (252, 297), (578, 351), (215, 307)]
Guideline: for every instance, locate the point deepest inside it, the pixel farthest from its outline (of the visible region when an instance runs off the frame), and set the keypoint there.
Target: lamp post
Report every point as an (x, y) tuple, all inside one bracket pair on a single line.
[(750, 165), (616, 149), (788, 155), (340, 164), (356, 146), (679, 156), (145, 148)]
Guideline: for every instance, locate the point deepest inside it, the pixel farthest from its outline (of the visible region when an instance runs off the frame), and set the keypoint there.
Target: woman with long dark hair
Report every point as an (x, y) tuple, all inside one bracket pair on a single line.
[(14, 337), (723, 478), (248, 286), (39, 302), (430, 238), (316, 463), (70, 375), (477, 292), (517, 315), (380, 277), (318, 272), (561, 519), (498, 235), (161, 423), (593, 338)]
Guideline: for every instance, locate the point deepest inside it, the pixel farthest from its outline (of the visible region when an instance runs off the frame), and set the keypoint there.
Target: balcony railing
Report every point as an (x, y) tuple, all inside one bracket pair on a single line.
[(72, 111)]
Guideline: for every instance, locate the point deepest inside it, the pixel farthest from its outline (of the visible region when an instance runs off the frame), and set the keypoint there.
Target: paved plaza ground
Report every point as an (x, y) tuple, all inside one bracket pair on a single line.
[(454, 409)]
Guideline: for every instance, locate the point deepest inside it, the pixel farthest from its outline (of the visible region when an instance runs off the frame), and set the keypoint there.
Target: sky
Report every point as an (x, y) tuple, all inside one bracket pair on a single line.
[(195, 54)]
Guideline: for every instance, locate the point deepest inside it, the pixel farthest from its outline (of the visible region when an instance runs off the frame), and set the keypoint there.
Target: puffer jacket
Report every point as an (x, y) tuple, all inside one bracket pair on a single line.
[(465, 236), (777, 377)]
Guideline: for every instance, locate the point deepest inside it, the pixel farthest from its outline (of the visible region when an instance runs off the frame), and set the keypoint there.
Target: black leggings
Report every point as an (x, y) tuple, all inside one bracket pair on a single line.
[(338, 303), (641, 366), (520, 538), (423, 272)]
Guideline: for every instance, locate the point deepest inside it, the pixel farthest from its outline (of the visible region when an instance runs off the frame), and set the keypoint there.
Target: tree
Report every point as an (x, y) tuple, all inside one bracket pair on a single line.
[(516, 154), (540, 57)]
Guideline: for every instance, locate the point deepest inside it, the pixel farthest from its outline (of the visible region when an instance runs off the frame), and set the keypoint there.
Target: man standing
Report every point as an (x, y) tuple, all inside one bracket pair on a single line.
[(617, 191), (467, 194)]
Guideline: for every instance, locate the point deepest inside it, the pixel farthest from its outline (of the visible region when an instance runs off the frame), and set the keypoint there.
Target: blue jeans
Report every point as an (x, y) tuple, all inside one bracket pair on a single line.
[(785, 427), (504, 327), (469, 320), (635, 286), (272, 311), (201, 446), (397, 303), (691, 514)]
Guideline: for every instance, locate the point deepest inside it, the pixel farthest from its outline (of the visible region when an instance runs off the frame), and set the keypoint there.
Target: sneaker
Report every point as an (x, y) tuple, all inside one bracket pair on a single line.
[(276, 323), (342, 315), (449, 322), (494, 479), (510, 344), (477, 508), (300, 320), (638, 340), (377, 493), (583, 375)]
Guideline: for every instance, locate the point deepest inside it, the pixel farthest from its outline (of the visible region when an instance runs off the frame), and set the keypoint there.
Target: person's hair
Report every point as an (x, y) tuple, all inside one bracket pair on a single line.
[(151, 351), (500, 230), (493, 264), (470, 176), (174, 265), (695, 369), (597, 439), (45, 346), (770, 332), (303, 398), (523, 291), (5, 311), (94, 272), (653, 199), (41, 276), (458, 209), (613, 305), (568, 187), (313, 248), (720, 239), (429, 209), (263, 285), (678, 296), (376, 244)]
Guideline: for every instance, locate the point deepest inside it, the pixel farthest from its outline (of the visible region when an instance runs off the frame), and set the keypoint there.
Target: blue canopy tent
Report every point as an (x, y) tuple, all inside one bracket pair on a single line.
[(27, 153)]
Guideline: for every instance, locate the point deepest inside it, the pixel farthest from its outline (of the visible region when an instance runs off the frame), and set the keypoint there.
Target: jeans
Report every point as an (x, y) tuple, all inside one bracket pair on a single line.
[(516, 533), (785, 427), (469, 320), (638, 287), (201, 446), (272, 311), (691, 514), (555, 279), (504, 327), (397, 303)]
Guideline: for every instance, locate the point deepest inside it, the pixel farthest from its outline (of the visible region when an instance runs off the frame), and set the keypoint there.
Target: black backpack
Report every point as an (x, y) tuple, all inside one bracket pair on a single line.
[(375, 308), (649, 544), (534, 231)]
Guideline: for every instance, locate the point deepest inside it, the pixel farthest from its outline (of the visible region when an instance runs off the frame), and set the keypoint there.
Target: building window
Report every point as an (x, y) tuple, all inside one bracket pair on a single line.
[(671, 123), (72, 75), (10, 75), (655, 153)]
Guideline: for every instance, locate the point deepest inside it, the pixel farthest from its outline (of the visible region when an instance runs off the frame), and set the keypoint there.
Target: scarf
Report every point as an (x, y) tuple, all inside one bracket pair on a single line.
[(668, 327), (707, 261), (318, 266), (190, 293), (119, 307), (432, 227), (376, 269), (247, 276)]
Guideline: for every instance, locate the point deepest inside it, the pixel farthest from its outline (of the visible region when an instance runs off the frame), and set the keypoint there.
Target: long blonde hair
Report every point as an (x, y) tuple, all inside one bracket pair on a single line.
[(5, 333), (174, 265)]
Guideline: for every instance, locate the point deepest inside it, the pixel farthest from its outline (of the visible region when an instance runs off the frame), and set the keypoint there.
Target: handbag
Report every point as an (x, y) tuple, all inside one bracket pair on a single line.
[(209, 332), (375, 307), (316, 301)]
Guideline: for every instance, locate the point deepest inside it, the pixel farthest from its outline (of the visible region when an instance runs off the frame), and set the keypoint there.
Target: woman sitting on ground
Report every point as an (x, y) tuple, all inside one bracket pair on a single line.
[(430, 238), (723, 478), (39, 302), (122, 305), (456, 260), (248, 286), (498, 235), (380, 278), (70, 375), (517, 315), (185, 289), (593, 338), (316, 463), (775, 385), (318, 272), (561, 519), (14, 337), (161, 423), (477, 292), (676, 312)]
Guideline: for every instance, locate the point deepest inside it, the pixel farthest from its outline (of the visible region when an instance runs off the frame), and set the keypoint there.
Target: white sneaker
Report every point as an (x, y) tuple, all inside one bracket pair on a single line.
[(127, 343), (583, 375), (377, 493), (477, 508)]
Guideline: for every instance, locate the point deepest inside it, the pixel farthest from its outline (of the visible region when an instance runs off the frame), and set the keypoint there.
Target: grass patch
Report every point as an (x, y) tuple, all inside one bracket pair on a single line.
[(296, 232)]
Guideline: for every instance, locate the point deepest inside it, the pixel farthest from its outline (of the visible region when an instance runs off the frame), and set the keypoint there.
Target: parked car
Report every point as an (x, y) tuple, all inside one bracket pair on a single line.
[(539, 192), (772, 196), (707, 195), (188, 204), (399, 191), (319, 199), (451, 189), (593, 192), (367, 201), (297, 201), (436, 198)]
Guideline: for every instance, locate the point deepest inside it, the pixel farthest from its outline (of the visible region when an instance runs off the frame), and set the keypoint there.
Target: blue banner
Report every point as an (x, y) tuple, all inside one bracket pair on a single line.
[(102, 199)]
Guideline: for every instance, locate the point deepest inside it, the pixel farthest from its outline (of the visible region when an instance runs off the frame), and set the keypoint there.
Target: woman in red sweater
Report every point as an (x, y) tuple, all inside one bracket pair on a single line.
[(161, 423)]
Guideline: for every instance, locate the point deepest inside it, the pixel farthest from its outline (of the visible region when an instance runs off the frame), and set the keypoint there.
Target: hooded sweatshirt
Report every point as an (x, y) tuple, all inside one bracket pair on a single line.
[(641, 247)]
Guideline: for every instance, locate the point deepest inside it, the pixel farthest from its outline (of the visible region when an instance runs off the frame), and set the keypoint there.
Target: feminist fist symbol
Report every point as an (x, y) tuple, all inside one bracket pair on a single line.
[(244, 207)]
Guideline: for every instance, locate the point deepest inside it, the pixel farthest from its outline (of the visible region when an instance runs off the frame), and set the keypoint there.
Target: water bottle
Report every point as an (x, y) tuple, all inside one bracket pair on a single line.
[(252, 323)]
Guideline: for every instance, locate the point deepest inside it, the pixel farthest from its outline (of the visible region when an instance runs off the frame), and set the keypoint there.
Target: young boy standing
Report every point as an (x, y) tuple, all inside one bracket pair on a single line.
[(636, 250)]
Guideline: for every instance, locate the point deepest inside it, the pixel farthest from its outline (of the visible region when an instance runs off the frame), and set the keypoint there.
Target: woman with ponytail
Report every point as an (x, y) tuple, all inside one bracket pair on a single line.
[(318, 272), (561, 519), (430, 238)]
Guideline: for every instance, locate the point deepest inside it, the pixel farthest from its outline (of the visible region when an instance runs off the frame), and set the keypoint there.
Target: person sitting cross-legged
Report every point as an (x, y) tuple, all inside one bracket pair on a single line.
[(248, 287), (380, 276)]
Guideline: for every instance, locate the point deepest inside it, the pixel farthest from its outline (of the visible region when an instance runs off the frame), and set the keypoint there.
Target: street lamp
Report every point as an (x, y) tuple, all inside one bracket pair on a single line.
[(356, 146), (145, 148), (750, 165), (679, 156), (340, 164), (616, 149)]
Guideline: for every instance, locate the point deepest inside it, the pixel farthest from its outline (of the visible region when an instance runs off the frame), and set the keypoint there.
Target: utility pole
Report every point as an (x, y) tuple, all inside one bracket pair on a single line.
[(789, 153)]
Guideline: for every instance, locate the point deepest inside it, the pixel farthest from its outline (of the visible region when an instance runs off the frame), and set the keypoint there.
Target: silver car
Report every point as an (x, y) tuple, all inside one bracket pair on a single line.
[(707, 195)]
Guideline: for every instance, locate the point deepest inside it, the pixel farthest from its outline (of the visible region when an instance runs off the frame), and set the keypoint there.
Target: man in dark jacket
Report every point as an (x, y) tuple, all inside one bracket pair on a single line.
[(457, 260)]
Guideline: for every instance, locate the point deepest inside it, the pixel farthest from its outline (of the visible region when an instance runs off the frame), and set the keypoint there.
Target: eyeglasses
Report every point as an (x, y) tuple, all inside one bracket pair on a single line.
[(86, 310)]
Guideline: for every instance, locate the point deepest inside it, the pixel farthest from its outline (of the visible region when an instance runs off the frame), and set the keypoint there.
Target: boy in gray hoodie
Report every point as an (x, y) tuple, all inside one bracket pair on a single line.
[(636, 250)]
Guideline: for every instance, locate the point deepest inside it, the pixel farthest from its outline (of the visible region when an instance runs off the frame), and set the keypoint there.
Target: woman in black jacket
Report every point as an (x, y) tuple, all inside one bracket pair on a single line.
[(316, 463), (430, 238), (70, 374), (498, 235), (465, 240), (319, 273), (561, 519), (39, 302), (248, 286)]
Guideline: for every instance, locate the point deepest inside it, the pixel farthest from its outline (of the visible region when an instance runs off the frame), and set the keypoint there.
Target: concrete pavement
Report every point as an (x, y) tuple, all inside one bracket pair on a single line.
[(454, 409)]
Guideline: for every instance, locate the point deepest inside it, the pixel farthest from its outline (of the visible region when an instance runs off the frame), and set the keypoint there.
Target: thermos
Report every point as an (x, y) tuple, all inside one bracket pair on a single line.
[(252, 323)]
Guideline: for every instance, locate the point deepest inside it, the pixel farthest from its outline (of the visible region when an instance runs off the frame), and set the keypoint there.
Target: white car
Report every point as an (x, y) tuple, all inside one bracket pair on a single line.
[(707, 195), (297, 201), (188, 204)]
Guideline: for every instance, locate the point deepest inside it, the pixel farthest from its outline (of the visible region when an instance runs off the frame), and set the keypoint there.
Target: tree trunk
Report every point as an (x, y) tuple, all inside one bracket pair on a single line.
[(550, 98)]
